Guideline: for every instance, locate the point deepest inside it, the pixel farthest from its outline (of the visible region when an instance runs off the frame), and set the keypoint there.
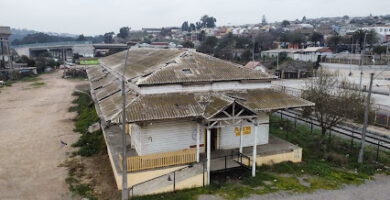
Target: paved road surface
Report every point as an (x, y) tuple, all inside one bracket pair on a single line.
[(32, 123)]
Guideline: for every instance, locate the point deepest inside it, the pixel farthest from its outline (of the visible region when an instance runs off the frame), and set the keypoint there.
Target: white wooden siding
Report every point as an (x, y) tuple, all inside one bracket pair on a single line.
[(229, 140), (161, 137), (135, 133)]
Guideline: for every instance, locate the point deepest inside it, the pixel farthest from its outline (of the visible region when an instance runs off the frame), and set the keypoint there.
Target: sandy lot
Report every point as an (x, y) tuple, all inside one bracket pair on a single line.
[(33, 121)]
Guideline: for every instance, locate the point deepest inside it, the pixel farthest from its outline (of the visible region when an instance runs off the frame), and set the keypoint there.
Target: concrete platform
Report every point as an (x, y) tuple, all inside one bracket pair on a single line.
[(276, 151)]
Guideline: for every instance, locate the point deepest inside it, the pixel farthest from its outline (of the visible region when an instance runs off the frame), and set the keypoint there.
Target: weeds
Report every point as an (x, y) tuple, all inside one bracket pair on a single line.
[(37, 84), (89, 143)]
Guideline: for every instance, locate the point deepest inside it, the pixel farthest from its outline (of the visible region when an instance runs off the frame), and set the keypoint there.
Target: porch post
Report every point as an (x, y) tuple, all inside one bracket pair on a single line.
[(197, 142), (254, 151), (241, 137), (208, 155)]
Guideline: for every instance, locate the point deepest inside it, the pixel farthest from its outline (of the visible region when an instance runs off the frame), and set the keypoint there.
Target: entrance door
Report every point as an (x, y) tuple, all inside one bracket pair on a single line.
[(214, 139)]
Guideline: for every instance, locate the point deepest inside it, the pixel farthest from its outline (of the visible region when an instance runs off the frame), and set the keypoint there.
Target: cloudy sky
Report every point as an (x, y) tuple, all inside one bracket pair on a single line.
[(92, 17)]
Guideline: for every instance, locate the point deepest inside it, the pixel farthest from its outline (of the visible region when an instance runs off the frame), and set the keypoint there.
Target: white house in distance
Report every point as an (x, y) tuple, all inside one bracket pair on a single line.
[(187, 114)]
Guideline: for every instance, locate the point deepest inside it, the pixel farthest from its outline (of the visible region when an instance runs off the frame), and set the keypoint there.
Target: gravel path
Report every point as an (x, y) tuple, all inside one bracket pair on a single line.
[(33, 121), (372, 190)]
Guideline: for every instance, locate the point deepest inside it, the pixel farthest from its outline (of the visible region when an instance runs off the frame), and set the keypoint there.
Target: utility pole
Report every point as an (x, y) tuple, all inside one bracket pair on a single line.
[(367, 110), (125, 194), (361, 63), (253, 49)]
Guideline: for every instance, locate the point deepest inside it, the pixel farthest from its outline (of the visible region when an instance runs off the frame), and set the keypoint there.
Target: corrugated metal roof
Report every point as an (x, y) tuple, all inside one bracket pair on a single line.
[(111, 106), (140, 61), (107, 90), (105, 87), (183, 105), (166, 66), (267, 99), (163, 106), (197, 67)]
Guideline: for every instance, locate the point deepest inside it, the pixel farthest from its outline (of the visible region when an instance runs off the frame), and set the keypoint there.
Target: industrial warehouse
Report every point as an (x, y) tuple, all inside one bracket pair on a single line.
[(184, 109)]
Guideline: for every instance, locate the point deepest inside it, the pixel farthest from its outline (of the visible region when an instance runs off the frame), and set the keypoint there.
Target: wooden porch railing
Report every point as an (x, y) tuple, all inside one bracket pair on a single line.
[(138, 163)]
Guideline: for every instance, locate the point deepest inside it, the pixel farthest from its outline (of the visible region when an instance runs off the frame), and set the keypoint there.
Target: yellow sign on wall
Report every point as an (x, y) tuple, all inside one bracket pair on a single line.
[(237, 131), (246, 130)]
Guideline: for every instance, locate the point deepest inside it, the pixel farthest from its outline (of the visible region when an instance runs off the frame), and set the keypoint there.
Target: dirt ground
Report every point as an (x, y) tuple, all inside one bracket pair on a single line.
[(373, 190), (33, 121)]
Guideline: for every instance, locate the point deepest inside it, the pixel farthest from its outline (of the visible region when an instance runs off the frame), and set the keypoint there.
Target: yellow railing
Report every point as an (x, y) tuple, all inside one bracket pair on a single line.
[(137, 163)]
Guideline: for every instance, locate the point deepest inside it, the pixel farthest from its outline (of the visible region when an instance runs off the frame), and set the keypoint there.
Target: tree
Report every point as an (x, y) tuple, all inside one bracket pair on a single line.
[(41, 38), (225, 47), (345, 17), (265, 40), (263, 20), (202, 36), (25, 59), (81, 38), (108, 37), (316, 37), (184, 26), (304, 19), (192, 27), (333, 42), (295, 38), (285, 23), (198, 25), (332, 104), (359, 35), (208, 22), (379, 50), (208, 45), (124, 32), (188, 44)]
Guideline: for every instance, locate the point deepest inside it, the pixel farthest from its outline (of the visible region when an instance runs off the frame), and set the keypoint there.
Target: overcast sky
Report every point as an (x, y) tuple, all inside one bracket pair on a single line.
[(91, 17)]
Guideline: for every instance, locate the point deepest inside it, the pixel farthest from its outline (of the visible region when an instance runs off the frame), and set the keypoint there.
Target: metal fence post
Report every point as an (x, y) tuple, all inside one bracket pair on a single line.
[(281, 116), (174, 181), (311, 126), (225, 162), (203, 173), (377, 151), (352, 141), (295, 118)]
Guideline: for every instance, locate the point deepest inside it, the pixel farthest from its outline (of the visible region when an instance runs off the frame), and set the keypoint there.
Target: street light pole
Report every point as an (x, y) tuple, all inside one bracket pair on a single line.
[(125, 194), (362, 63), (367, 110)]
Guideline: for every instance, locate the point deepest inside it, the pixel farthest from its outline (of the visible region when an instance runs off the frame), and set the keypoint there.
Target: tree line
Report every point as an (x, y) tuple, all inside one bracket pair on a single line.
[(40, 37)]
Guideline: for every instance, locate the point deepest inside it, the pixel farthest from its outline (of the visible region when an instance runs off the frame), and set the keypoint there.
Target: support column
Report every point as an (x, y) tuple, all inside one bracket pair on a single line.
[(241, 137), (197, 142), (208, 155), (254, 151)]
